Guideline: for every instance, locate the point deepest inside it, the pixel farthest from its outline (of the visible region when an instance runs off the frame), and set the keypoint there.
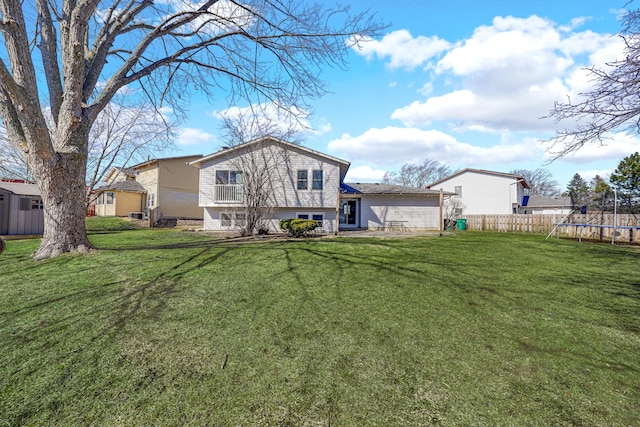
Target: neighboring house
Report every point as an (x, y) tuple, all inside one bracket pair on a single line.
[(168, 185), (304, 183), (21, 209), (480, 191), (549, 205), (120, 198)]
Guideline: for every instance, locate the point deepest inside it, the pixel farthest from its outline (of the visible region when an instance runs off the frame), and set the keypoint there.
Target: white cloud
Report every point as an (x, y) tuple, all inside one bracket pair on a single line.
[(508, 75), (588, 175), (273, 118), (396, 146), (617, 147), (364, 174), (402, 49), (426, 89), (192, 136)]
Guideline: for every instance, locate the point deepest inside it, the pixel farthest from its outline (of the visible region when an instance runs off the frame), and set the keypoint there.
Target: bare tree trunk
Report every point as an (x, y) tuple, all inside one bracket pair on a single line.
[(62, 184)]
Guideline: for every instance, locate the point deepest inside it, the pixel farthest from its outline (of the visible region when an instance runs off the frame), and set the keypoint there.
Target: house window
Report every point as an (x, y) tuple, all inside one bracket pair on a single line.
[(226, 177), (318, 219), (110, 197), (458, 190), (151, 200), (316, 184), (303, 216), (25, 204), (1, 197), (228, 186), (36, 204), (225, 220), (241, 220), (303, 179)]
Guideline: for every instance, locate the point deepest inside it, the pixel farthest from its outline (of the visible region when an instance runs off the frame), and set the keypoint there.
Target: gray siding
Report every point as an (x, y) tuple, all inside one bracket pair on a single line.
[(24, 221), (414, 213)]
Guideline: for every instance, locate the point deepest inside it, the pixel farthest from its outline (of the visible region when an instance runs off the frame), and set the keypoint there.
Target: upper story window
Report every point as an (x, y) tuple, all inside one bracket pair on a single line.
[(458, 190), (303, 180), (229, 186), (316, 184), (228, 177)]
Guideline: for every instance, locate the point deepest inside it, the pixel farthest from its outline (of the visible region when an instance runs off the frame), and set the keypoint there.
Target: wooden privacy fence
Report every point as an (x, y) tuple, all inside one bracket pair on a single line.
[(593, 226)]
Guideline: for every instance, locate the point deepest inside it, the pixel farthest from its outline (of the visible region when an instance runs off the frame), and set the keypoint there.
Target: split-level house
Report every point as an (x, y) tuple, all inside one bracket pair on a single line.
[(479, 191), (169, 186), (291, 181)]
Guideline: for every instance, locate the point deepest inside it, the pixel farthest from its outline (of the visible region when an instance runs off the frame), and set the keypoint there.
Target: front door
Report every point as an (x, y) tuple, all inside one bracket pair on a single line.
[(4, 213), (348, 214)]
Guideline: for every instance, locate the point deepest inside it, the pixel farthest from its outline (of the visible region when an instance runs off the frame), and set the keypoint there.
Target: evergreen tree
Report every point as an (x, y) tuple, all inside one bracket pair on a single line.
[(578, 190), (600, 194), (626, 180)]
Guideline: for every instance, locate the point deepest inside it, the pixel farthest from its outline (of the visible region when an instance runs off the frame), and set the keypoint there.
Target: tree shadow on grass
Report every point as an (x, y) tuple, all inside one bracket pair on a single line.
[(123, 303)]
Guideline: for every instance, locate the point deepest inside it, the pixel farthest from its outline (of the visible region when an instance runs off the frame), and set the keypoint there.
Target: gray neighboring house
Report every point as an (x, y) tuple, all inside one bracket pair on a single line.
[(21, 209), (538, 205)]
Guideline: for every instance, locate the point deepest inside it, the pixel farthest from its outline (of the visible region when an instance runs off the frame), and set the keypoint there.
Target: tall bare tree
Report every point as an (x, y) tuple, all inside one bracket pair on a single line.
[(252, 128), (612, 105), (241, 125), (419, 175), (89, 50), (540, 181), (126, 132), (12, 163)]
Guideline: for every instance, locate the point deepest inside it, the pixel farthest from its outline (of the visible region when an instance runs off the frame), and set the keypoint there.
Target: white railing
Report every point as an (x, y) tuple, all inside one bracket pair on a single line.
[(228, 193)]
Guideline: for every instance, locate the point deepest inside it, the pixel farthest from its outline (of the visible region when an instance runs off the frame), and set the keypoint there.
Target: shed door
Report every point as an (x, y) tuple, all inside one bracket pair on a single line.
[(4, 213)]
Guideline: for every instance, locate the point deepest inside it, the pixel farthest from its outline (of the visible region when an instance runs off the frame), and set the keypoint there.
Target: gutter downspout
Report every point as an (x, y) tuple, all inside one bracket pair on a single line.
[(441, 226), (337, 213)]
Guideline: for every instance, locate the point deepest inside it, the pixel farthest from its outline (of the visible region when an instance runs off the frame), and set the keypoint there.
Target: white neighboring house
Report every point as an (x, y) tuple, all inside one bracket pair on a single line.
[(539, 205), (304, 183), (486, 192)]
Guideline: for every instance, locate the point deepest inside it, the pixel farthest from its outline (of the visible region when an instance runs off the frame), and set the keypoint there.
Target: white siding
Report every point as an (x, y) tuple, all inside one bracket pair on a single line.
[(212, 217), (484, 193), (282, 165), (413, 213)]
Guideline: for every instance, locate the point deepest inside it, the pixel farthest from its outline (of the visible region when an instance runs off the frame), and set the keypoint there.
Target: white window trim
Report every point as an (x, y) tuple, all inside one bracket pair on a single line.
[(310, 217), (314, 180), (233, 220)]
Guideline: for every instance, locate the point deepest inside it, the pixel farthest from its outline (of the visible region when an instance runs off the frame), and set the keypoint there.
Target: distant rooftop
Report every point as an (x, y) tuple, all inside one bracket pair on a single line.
[(376, 188)]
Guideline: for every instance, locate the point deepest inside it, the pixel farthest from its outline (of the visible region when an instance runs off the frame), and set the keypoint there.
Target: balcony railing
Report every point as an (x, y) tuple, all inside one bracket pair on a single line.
[(228, 193)]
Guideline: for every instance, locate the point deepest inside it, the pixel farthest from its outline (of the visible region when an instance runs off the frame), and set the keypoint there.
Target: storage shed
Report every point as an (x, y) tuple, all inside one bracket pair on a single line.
[(21, 209)]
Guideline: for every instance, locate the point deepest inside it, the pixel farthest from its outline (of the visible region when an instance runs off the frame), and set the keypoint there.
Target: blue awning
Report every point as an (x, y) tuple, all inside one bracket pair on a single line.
[(345, 189)]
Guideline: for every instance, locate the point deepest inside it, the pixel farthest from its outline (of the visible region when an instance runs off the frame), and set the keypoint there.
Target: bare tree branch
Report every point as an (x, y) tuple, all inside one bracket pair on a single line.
[(612, 105), (258, 50)]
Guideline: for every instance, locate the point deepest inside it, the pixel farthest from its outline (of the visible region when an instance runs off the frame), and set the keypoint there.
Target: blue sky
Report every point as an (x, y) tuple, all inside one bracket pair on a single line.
[(464, 83)]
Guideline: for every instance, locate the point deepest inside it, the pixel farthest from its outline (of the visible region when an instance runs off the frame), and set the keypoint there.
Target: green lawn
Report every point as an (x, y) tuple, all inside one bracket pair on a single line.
[(165, 327)]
